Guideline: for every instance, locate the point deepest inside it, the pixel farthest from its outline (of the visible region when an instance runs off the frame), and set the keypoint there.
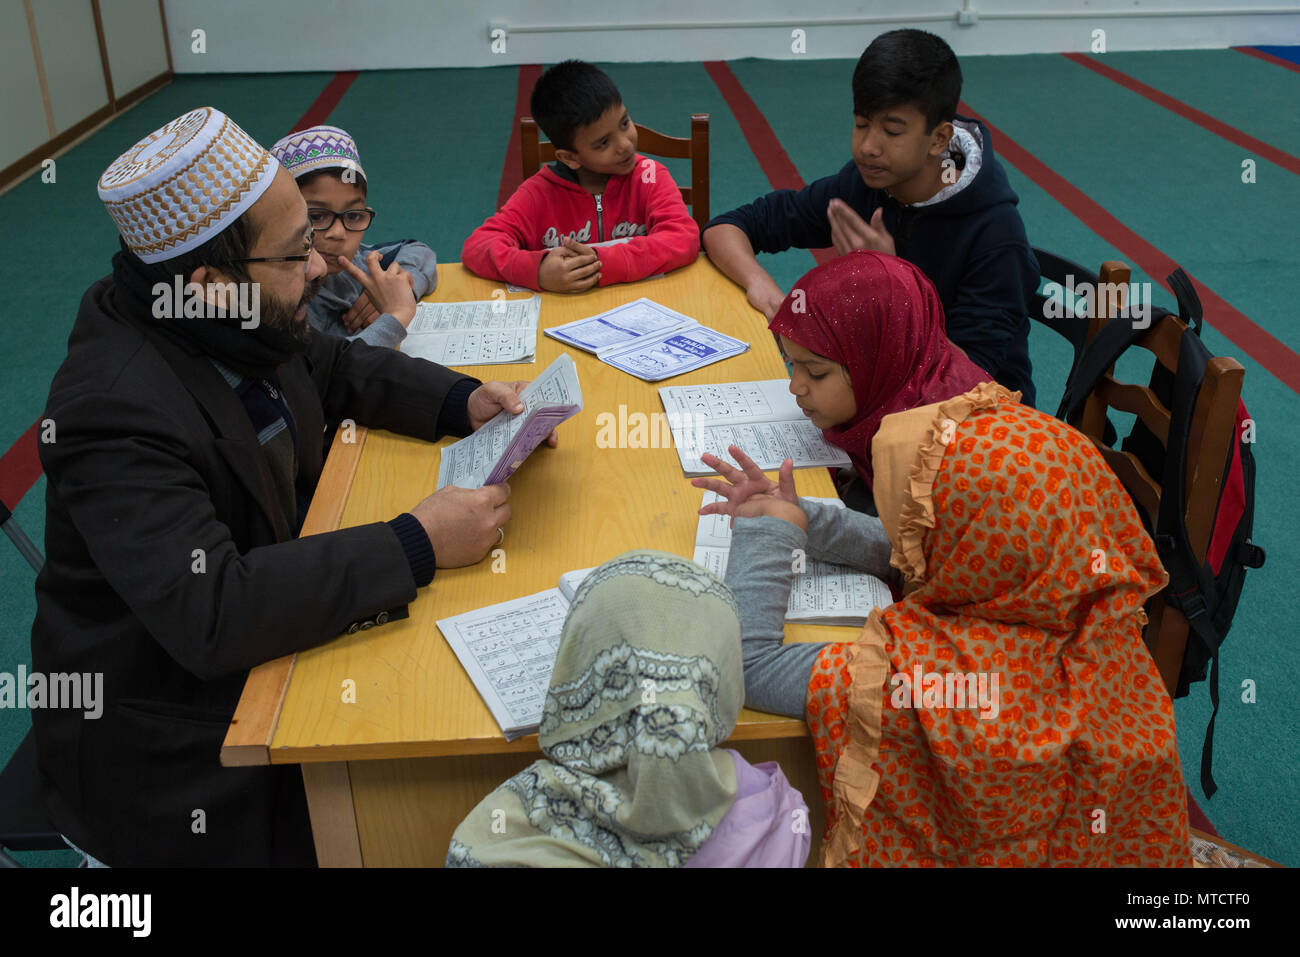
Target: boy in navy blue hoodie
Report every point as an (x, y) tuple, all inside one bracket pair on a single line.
[(923, 184)]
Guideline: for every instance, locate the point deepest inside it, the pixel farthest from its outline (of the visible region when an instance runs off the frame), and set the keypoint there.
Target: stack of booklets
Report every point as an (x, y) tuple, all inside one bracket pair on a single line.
[(491, 454), (821, 593), (762, 419), (484, 332), (650, 341), (508, 651)]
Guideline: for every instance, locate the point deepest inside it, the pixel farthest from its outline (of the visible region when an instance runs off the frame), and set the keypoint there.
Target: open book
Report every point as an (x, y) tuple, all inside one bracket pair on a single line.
[(648, 340), (492, 454), (508, 651), (821, 593), (484, 332), (761, 418)]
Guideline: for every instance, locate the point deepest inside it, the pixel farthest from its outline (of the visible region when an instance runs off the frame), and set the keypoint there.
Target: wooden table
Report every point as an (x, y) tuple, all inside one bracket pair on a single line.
[(391, 774)]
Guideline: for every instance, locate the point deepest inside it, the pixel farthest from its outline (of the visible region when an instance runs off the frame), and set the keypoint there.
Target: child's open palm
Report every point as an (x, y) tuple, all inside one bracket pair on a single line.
[(748, 493), (849, 231)]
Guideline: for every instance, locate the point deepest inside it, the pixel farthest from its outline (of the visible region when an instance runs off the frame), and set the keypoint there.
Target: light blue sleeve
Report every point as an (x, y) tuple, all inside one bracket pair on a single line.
[(759, 571)]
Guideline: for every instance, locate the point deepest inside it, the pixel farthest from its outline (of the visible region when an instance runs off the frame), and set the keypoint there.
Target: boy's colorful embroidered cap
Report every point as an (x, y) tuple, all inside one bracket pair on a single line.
[(320, 147), (184, 183)]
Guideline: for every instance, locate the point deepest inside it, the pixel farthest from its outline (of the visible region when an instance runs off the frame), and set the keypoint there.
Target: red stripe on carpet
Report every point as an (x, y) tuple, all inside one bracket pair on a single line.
[(1203, 120), (1269, 58), (767, 149), (512, 169), (329, 98), (1196, 817), (20, 467), (1264, 348)]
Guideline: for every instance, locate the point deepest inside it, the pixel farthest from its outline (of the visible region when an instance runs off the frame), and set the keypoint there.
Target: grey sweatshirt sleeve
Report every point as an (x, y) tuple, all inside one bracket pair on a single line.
[(759, 572), (386, 331), (419, 260), (845, 537)]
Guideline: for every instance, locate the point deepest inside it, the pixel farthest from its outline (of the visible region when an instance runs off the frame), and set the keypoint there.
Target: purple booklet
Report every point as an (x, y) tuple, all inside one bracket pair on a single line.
[(493, 453)]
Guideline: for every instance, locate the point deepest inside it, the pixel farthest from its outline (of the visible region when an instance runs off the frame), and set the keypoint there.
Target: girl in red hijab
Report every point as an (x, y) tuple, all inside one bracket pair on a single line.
[(879, 319)]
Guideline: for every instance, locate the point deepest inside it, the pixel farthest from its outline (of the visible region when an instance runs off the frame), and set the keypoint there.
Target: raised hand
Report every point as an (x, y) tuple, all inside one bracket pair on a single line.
[(747, 492), (849, 231), (389, 290)]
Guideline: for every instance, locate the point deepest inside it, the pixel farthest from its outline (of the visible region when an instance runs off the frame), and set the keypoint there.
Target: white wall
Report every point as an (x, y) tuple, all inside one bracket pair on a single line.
[(133, 34), (256, 35), (23, 125), (74, 71)]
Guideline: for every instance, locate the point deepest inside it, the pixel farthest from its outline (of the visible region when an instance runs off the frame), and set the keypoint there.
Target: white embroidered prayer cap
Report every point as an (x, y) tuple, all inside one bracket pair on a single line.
[(184, 183)]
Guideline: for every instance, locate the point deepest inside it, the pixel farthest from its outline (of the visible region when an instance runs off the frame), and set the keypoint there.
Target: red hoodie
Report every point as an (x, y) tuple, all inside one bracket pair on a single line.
[(547, 208)]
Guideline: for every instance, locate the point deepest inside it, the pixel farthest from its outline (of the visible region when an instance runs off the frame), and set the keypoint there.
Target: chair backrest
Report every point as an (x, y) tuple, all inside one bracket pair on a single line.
[(9, 525), (1060, 316), (1212, 433), (533, 152)]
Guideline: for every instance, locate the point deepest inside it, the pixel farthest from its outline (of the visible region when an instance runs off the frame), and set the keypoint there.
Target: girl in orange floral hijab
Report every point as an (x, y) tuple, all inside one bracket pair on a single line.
[(1005, 712)]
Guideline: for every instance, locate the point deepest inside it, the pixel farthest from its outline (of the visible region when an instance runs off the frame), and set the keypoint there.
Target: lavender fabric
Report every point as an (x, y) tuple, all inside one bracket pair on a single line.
[(767, 825)]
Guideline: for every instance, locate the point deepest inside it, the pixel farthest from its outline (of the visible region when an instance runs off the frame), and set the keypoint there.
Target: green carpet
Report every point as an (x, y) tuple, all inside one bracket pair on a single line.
[(433, 143)]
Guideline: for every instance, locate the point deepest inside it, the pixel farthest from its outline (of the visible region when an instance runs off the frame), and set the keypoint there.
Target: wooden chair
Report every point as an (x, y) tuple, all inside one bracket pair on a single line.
[(1056, 269), (1212, 432), (533, 153)]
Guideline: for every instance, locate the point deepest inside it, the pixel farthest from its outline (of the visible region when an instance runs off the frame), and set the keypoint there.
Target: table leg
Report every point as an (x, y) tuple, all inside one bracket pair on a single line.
[(333, 819)]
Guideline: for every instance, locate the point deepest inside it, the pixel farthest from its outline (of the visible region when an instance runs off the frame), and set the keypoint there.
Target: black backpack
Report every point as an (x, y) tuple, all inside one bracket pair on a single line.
[(1205, 592)]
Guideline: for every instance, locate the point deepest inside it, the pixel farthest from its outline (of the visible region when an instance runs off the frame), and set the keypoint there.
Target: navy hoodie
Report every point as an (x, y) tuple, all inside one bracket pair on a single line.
[(971, 245)]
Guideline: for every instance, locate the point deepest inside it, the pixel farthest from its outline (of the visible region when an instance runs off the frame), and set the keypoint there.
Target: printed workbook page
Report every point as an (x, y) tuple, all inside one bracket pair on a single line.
[(492, 454), (761, 418), (508, 651), (487, 332)]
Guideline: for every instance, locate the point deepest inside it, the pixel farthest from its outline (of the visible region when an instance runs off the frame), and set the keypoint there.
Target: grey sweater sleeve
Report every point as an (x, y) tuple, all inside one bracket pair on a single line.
[(419, 260), (845, 537), (759, 572), (386, 331)]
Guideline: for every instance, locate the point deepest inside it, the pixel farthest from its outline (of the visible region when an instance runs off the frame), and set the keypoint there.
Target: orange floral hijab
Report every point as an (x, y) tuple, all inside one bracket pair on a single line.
[(1028, 568)]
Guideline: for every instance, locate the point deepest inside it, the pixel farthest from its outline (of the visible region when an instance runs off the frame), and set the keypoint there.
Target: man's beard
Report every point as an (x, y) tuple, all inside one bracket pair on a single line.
[(277, 315)]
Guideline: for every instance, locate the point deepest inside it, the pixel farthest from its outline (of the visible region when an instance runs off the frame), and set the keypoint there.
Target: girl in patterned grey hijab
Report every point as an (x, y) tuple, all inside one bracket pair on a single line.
[(648, 682)]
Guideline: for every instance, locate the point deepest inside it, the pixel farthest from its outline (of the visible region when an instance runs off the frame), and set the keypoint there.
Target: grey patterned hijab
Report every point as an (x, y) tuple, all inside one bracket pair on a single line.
[(648, 682)]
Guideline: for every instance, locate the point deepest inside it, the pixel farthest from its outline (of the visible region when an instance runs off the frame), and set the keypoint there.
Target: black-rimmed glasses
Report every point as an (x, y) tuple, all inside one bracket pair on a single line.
[(305, 257), (354, 220)]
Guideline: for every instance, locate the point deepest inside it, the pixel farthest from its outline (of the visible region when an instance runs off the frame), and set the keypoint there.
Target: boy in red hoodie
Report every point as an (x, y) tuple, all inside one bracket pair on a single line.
[(600, 214)]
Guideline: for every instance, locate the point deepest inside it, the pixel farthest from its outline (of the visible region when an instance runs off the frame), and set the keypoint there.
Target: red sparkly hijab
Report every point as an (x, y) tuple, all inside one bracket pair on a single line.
[(880, 317)]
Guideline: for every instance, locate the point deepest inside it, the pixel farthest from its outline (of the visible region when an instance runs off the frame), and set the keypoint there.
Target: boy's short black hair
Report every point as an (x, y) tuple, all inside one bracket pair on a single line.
[(905, 67), (336, 172), (569, 95)]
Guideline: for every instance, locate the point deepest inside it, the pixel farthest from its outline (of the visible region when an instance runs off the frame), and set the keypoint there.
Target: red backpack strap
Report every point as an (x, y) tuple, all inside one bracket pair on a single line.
[(1232, 502)]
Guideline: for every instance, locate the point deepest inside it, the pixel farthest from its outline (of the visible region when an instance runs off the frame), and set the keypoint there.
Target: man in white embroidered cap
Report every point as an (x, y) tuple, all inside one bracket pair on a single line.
[(188, 420)]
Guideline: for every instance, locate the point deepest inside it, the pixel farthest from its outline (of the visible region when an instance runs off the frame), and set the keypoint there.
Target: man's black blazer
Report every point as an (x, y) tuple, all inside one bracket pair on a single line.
[(171, 568)]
